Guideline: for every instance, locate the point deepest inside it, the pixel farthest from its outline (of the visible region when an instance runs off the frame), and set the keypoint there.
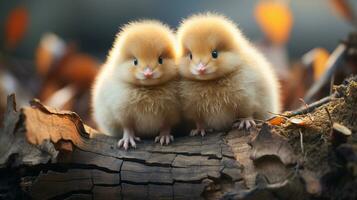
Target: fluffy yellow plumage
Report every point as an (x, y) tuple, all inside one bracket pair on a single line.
[(136, 90), (225, 76)]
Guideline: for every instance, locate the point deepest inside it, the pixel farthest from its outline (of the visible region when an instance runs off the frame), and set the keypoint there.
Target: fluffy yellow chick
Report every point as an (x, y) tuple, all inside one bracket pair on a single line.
[(226, 78), (135, 93)]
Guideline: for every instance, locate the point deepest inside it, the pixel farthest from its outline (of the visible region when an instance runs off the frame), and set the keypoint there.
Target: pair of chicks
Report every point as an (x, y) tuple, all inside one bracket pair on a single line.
[(138, 92)]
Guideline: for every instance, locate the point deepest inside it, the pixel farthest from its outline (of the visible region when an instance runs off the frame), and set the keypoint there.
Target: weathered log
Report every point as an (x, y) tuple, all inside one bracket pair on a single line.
[(50, 154)]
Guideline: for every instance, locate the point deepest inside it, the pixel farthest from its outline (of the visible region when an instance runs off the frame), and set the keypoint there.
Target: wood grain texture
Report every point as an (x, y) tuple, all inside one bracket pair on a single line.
[(81, 163), (50, 154)]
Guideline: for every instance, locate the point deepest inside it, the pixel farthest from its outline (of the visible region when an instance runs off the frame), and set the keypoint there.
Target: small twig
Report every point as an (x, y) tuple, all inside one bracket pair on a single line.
[(331, 65), (302, 101), (311, 107), (301, 142), (332, 83), (306, 107), (276, 114), (331, 124), (329, 116)]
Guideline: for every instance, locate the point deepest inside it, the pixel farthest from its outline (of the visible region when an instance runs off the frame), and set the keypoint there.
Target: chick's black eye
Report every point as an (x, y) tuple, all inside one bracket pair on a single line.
[(160, 60), (136, 61), (190, 55), (214, 54)]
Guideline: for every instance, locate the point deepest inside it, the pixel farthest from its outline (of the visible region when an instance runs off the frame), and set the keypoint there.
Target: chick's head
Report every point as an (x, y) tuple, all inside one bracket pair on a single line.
[(208, 47), (144, 53)]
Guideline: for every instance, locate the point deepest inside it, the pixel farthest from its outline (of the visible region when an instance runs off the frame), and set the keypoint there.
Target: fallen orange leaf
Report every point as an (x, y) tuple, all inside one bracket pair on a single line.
[(276, 120), (15, 26), (275, 19)]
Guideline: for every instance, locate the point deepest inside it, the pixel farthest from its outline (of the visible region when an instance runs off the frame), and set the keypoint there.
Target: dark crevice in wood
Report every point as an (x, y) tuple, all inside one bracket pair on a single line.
[(193, 182), (210, 156), (27, 171), (148, 183), (107, 185), (229, 157), (63, 167), (144, 161), (120, 180), (71, 193)]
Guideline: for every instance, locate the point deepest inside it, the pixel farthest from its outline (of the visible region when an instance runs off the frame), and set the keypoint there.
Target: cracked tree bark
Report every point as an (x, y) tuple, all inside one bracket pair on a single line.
[(50, 154)]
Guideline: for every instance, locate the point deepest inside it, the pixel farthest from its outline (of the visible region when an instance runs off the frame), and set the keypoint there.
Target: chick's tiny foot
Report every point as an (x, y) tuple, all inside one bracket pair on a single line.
[(165, 137), (246, 123), (128, 140), (197, 131)]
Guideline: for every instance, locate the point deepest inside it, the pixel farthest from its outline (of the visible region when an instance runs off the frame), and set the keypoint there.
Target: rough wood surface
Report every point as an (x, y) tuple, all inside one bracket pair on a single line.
[(59, 157), (50, 154)]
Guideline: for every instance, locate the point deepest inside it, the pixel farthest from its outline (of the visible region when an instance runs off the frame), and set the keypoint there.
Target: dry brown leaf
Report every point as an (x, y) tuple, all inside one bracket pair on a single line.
[(15, 26), (61, 125), (80, 70), (61, 62), (61, 65)]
